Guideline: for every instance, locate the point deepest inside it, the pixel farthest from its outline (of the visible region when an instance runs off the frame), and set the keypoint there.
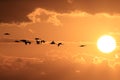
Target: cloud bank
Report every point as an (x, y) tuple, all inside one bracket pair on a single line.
[(55, 67), (17, 11)]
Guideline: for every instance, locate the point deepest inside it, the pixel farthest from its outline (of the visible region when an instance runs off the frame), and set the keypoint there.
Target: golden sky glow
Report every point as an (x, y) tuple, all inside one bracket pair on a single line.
[(71, 22)]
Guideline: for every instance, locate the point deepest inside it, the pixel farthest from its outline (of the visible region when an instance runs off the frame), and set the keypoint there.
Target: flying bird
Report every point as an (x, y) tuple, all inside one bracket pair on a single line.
[(53, 42), (6, 33), (26, 41), (59, 44), (82, 45), (37, 40), (42, 41)]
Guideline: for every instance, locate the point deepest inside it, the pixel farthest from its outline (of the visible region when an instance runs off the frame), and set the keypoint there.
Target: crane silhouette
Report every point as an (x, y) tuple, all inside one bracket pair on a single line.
[(53, 42), (25, 41), (59, 44), (42, 41), (37, 40), (82, 45), (6, 33)]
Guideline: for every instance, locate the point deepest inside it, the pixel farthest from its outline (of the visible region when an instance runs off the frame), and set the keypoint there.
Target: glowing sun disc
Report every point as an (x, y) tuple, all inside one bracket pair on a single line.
[(106, 44)]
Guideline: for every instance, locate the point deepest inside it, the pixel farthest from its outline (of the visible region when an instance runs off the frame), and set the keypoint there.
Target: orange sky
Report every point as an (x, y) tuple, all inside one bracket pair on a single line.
[(79, 25), (74, 26), (72, 22), (67, 20)]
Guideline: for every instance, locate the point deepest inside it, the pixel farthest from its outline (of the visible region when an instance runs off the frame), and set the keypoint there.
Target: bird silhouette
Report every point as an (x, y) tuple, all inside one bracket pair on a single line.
[(6, 33), (42, 41), (82, 45), (59, 44), (26, 41), (37, 40), (53, 42)]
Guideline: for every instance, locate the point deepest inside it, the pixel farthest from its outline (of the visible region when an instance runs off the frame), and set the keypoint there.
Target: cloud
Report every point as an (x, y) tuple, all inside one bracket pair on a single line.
[(46, 16), (62, 67), (95, 6), (42, 15), (18, 13)]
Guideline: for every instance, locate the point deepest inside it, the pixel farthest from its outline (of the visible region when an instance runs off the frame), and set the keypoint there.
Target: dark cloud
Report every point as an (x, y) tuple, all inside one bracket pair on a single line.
[(97, 6), (17, 11)]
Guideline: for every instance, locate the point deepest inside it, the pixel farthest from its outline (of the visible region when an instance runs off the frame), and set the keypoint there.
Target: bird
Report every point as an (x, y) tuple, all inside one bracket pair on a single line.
[(59, 44), (53, 42), (42, 41), (82, 45), (26, 41), (37, 40), (6, 33)]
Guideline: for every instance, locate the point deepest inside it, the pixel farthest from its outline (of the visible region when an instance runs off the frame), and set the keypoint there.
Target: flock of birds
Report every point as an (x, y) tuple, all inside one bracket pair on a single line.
[(39, 41)]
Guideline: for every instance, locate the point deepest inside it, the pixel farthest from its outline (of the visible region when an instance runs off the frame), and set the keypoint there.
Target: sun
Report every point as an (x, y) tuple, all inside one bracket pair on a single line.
[(106, 44)]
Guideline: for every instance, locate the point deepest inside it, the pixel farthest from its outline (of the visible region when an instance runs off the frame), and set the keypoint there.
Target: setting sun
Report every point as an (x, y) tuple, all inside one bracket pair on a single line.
[(106, 44)]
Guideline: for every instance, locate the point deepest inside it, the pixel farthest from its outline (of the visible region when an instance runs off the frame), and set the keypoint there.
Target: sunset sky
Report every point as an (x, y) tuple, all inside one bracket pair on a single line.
[(73, 22), (66, 20)]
